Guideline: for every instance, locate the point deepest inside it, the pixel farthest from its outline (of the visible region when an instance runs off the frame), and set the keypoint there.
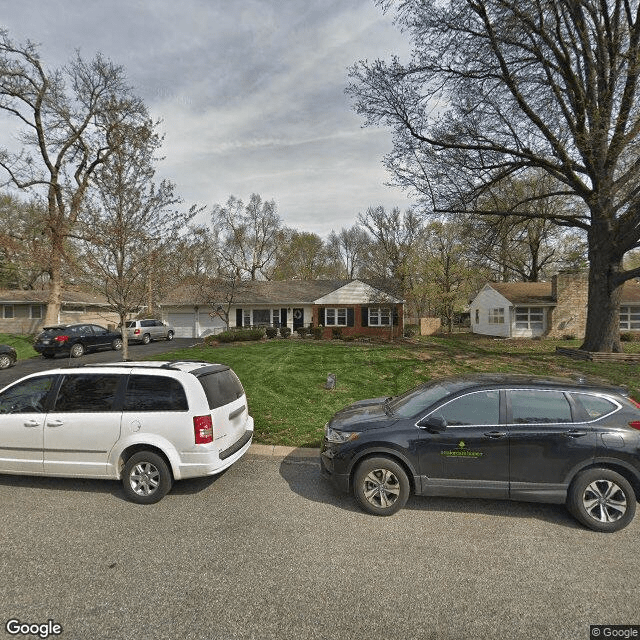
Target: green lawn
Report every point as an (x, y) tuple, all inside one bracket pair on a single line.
[(284, 379), (23, 344)]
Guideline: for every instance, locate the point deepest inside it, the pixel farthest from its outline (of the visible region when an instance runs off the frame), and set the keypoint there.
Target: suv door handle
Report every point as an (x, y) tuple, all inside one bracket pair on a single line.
[(54, 423), (32, 423), (495, 434), (575, 433)]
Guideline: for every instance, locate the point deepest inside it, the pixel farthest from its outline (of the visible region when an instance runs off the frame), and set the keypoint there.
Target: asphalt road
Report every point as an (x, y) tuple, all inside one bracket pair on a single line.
[(136, 352), (268, 550)]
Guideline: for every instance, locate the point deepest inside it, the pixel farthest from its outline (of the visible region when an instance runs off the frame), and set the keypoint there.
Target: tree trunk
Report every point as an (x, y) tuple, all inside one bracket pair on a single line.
[(602, 333), (55, 285)]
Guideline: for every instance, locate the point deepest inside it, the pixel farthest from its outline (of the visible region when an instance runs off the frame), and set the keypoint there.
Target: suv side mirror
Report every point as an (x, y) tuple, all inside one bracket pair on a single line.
[(433, 424)]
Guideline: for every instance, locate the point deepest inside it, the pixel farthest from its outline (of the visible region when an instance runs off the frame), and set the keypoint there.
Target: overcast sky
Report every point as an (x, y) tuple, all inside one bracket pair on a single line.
[(251, 93)]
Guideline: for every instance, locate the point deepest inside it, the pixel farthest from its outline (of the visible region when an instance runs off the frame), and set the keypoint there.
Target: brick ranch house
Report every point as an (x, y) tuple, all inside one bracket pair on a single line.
[(23, 312), (354, 306), (553, 309)]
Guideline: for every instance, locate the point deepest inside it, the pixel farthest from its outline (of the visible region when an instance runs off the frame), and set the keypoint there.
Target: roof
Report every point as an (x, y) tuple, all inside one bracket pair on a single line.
[(541, 292), (41, 296), (268, 292)]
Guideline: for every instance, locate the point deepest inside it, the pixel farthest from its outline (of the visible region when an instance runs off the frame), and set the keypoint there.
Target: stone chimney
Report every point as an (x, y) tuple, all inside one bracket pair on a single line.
[(570, 291)]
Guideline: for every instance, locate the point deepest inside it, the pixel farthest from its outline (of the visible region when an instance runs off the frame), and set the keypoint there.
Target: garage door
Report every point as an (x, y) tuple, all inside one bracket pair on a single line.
[(209, 324), (183, 323)]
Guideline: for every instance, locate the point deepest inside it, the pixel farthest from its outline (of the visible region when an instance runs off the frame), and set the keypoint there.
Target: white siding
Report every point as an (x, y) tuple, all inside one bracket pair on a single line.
[(356, 292), (487, 299)]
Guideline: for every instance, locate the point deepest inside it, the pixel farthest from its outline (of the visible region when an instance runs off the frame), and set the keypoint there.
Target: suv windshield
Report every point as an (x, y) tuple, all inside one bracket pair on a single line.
[(221, 387), (416, 400)]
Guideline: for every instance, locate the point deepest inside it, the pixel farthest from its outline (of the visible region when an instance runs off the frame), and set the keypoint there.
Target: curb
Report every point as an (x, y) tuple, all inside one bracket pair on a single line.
[(275, 451)]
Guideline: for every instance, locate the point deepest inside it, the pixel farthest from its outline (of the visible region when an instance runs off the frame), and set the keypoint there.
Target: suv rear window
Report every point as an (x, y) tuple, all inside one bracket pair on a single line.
[(221, 387)]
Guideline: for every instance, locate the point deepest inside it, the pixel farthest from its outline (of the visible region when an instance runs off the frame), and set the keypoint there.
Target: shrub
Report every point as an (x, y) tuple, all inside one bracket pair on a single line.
[(336, 333), (411, 330), (271, 332), (318, 332), (568, 336), (627, 336), (302, 332), (240, 335), (285, 332)]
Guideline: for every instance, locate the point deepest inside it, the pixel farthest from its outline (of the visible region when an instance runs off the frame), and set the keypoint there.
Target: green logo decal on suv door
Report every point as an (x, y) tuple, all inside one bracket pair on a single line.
[(461, 452)]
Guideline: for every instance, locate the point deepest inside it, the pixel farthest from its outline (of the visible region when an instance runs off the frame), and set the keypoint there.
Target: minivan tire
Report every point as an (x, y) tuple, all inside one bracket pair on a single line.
[(146, 478), (602, 500)]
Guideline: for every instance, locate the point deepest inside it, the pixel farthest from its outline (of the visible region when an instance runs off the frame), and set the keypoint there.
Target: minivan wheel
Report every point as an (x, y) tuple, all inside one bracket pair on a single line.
[(381, 486), (146, 338), (77, 350), (146, 478), (116, 345), (602, 500)]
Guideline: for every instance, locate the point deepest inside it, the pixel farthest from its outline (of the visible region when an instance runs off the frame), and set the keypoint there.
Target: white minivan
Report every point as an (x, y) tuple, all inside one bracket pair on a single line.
[(144, 423)]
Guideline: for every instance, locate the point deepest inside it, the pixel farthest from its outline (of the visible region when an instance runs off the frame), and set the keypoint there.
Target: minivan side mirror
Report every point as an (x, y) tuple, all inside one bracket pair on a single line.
[(433, 424)]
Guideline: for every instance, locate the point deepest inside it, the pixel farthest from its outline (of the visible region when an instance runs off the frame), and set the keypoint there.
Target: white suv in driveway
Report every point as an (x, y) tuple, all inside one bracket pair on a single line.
[(144, 423)]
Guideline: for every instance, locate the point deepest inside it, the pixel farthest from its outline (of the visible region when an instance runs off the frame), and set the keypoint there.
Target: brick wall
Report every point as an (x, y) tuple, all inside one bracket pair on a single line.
[(569, 317)]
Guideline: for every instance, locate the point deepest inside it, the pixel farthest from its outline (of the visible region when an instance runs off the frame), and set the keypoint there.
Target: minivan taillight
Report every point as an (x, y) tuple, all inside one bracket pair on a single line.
[(203, 429), (635, 424), (61, 338)]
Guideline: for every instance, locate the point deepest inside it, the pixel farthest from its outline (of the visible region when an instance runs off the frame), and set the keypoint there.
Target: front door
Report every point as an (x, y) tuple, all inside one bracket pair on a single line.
[(471, 456), (22, 416), (298, 318)]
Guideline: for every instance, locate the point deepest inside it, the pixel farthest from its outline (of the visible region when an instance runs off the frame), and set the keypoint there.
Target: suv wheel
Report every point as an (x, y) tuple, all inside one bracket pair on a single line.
[(146, 338), (5, 361), (116, 345), (381, 486), (170, 335), (77, 350), (146, 478), (602, 500)]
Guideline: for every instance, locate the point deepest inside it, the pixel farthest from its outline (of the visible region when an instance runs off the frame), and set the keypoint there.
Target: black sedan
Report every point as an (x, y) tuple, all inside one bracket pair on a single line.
[(493, 436), (76, 339), (8, 356)]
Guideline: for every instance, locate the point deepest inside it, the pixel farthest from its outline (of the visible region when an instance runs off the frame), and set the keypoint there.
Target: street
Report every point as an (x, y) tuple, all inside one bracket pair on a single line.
[(268, 550)]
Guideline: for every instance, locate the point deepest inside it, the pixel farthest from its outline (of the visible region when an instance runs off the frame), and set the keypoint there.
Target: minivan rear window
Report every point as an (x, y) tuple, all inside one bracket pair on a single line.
[(221, 387)]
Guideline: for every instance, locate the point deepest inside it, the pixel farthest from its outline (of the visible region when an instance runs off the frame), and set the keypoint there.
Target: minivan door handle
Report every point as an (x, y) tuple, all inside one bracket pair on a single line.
[(54, 423), (495, 434), (32, 423)]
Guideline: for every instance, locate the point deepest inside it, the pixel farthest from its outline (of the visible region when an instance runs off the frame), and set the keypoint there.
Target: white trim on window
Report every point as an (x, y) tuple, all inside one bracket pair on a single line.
[(37, 308), (8, 312), (380, 317), (335, 316), (630, 318), (496, 316), (531, 318)]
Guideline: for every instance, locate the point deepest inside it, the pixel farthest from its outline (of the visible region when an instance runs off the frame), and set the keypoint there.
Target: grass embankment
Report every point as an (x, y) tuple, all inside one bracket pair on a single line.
[(284, 379), (23, 344)]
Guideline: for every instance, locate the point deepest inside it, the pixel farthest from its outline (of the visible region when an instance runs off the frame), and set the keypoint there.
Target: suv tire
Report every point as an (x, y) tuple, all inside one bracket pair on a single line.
[(6, 361), (146, 338), (146, 478), (602, 500), (381, 486), (116, 345)]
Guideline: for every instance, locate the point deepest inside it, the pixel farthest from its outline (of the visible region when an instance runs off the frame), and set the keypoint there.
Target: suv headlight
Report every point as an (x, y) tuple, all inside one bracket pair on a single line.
[(333, 435)]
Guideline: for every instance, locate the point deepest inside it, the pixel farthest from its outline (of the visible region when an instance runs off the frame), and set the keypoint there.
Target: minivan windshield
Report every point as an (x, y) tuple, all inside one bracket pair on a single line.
[(221, 387)]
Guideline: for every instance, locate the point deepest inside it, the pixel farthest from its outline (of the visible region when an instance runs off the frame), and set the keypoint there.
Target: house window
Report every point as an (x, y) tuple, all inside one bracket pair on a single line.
[(477, 316), (529, 318), (276, 317), (630, 318), (379, 316), (496, 316), (246, 319), (35, 312), (8, 312), (335, 317), (261, 317)]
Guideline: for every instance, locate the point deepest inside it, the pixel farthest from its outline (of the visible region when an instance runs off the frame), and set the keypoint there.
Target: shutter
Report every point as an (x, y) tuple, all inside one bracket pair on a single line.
[(365, 316), (395, 316), (321, 316), (283, 317), (238, 317), (350, 317)]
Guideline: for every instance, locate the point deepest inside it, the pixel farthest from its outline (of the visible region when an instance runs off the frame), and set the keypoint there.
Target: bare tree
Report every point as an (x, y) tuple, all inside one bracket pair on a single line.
[(347, 250), (299, 255), (71, 121), (247, 235), (497, 88), (129, 223)]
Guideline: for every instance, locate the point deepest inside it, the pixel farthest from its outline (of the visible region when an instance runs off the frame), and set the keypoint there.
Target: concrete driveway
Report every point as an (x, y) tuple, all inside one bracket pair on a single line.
[(136, 352), (267, 551)]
